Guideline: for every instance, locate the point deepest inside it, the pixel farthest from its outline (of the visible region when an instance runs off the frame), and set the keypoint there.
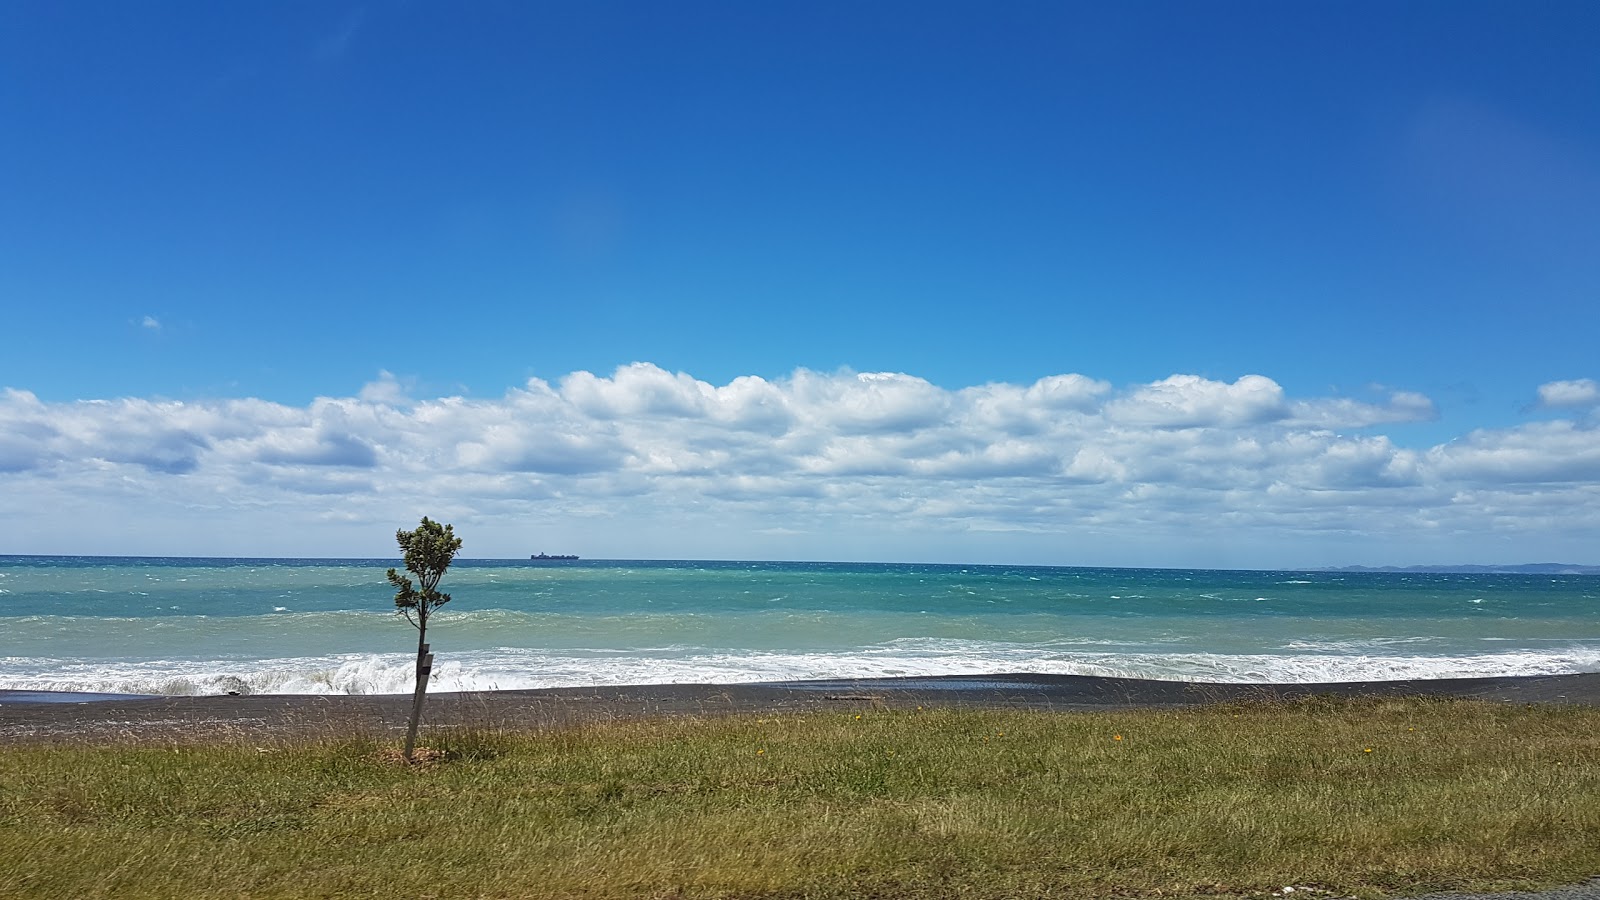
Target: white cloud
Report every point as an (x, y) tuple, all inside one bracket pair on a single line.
[(1579, 394), (869, 402), (646, 461), (639, 389), (1189, 401), (1402, 406), (385, 389), (1558, 452), (150, 322)]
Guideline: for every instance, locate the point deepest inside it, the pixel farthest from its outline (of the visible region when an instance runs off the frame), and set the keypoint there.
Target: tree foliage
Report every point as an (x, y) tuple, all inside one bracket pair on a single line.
[(428, 551)]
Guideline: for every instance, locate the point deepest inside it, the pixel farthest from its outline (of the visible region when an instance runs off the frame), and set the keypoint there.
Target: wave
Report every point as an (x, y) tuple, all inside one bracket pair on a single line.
[(511, 668), (1355, 647)]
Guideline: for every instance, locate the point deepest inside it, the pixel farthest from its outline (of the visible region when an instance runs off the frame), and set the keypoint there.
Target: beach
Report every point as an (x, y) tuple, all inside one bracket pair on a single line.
[(66, 717)]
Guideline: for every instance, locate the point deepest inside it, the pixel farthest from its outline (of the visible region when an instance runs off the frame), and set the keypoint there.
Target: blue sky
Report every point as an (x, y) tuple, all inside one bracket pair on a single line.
[(211, 215)]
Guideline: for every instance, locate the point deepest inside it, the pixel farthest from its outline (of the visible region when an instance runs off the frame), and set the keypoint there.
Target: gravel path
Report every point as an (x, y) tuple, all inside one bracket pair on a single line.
[(1589, 890)]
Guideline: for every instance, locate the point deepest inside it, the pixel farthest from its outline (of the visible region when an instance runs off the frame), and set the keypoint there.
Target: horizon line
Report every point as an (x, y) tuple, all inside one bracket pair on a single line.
[(1355, 568)]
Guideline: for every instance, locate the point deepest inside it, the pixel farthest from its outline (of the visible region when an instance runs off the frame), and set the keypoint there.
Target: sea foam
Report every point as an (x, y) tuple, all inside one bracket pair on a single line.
[(515, 670)]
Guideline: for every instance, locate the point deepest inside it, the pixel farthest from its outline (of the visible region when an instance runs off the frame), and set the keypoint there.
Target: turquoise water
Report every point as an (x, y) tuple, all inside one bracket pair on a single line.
[(327, 626)]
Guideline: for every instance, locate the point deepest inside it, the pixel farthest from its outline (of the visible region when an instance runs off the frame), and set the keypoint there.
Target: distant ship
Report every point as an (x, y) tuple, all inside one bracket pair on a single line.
[(547, 556)]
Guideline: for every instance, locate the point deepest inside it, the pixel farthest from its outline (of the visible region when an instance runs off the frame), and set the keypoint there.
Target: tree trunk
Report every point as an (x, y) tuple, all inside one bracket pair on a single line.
[(424, 669)]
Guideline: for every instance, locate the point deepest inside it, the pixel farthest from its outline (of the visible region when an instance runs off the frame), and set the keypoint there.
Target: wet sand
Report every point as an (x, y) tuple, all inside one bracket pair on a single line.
[(74, 718)]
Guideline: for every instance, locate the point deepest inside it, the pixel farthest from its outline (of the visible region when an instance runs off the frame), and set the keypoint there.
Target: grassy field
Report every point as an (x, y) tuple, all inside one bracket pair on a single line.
[(1349, 797)]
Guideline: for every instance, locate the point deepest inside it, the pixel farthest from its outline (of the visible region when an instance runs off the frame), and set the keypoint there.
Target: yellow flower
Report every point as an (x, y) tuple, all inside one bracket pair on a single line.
[(858, 718), (1368, 750), (761, 752)]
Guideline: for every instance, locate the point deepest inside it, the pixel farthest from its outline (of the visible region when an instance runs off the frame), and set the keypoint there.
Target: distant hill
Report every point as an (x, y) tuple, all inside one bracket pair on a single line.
[(1524, 569)]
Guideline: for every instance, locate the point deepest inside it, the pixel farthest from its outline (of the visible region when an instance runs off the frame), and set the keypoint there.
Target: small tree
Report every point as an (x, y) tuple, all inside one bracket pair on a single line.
[(428, 551)]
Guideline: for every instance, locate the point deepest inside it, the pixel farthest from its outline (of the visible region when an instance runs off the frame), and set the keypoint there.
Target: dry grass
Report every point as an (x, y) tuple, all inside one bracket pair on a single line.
[(1362, 797)]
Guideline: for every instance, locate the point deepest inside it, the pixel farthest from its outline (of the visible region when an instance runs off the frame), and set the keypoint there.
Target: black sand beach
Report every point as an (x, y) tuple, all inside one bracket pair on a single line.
[(40, 717)]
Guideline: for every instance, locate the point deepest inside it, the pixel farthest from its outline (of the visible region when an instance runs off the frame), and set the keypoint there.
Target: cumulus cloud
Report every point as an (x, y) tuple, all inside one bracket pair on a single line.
[(150, 322), (1540, 453), (1579, 394), (637, 390), (385, 389), (309, 448), (1342, 412), (1189, 401), (869, 402), (664, 456)]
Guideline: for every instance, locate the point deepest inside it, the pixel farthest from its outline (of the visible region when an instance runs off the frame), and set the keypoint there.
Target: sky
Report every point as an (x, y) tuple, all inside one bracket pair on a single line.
[(1234, 284)]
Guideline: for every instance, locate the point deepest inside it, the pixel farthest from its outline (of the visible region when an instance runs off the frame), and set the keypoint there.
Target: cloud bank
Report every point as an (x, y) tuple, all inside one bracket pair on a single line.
[(648, 462)]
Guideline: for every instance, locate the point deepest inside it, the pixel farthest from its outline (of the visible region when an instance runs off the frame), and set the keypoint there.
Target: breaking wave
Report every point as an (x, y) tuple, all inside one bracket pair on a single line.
[(514, 669)]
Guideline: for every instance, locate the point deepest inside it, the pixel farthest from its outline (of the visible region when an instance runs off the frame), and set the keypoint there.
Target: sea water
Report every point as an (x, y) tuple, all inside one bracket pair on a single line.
[(203, 626)]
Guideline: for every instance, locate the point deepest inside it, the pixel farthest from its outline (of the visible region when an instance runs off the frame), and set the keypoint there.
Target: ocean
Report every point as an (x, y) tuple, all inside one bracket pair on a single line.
[(303, 626)]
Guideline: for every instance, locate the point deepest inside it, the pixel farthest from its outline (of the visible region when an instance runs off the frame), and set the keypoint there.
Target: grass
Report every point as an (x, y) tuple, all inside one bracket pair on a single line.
[(1351, 797)]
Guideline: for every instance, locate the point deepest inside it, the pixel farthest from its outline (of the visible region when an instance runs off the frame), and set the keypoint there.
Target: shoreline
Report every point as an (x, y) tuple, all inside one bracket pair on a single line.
[(47, 717)]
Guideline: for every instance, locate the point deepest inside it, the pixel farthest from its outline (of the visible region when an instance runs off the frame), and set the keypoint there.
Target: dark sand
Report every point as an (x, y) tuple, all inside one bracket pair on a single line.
[(72, 718)]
